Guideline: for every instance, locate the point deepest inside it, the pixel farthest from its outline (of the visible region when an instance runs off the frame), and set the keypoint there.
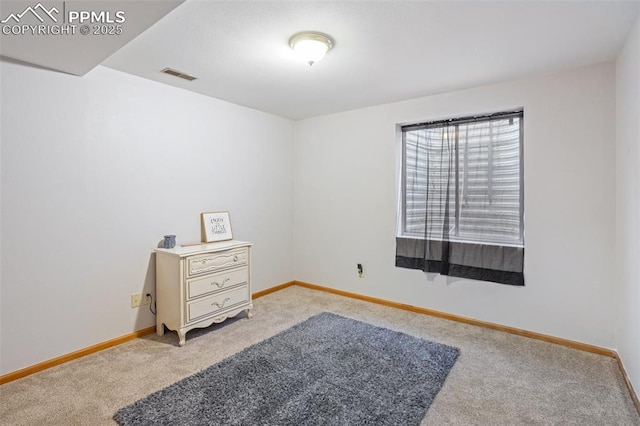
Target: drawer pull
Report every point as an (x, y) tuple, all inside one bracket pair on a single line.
[(220, 285), (235, 258), (220, 305)]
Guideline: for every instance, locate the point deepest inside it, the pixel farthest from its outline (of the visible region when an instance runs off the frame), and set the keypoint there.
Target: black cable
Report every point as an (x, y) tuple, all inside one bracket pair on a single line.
[(151, 304)]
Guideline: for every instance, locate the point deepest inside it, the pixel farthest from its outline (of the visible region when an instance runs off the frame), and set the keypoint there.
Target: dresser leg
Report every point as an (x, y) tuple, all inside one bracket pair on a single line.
[(183, 338), (160, 329), (249, 313)]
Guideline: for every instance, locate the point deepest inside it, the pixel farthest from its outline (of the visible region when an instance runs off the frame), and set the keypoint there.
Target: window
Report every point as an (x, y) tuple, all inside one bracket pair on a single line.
[(462, 192)]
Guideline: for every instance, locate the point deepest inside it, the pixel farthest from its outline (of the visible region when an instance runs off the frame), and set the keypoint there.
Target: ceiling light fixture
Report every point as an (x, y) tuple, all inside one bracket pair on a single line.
[(311, 46)]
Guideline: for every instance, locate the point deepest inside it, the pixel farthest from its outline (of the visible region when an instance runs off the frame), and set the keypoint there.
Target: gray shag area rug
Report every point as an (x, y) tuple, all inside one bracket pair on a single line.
[(327, 370)]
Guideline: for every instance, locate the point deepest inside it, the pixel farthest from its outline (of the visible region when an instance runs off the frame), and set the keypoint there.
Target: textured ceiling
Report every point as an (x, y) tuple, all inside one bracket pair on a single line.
[(384, 51)]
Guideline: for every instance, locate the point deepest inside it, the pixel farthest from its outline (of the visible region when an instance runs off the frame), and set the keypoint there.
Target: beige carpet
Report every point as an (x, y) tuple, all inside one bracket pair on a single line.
[(499, 379)]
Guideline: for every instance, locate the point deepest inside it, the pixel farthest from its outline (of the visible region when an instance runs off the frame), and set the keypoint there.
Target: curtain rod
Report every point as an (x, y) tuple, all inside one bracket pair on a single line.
[(462, 120)]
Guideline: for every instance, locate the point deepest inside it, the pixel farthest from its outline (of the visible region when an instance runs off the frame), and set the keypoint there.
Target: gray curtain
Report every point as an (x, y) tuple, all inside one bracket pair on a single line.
[(462, 198)]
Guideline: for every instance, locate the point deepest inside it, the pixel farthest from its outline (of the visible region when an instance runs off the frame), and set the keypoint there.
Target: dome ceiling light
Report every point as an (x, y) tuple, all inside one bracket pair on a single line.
[(311, 46)]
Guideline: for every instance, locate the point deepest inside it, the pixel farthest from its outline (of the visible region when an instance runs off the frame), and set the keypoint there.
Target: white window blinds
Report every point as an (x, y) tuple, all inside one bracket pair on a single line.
[(462, 180)]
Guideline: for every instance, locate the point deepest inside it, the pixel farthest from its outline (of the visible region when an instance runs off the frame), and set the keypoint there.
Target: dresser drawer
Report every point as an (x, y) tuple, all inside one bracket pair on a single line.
[(217, 303), (215, 282), (210, 262)]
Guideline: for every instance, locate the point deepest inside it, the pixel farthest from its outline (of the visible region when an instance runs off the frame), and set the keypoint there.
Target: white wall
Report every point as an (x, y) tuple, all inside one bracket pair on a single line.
[(628, 204), (95, 170), (345, 181)]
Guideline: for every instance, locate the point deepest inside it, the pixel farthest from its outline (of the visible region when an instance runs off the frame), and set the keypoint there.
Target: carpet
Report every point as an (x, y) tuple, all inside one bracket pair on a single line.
[(327, 370)]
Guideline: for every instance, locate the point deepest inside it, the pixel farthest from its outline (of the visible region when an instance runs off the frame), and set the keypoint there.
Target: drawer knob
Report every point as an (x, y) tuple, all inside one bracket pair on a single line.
[(221, 304), (220, 285), (235, 258)]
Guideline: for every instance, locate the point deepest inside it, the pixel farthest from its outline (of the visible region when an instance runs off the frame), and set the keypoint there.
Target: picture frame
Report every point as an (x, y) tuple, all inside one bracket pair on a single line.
[(216, 226)]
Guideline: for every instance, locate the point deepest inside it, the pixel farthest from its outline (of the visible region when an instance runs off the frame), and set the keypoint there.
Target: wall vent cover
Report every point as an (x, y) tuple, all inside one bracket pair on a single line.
[(178, 74)]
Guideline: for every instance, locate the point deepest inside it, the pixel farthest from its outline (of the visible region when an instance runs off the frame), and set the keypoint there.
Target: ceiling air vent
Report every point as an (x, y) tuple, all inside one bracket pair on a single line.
[(179, 74)]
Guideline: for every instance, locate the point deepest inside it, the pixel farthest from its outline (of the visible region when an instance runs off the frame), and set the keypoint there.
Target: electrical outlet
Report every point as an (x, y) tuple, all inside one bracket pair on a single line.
[(146, 300), (135, 300), (360, 270)]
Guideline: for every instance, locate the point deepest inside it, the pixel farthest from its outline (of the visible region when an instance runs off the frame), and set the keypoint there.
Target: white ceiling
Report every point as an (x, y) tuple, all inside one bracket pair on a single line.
[(384, 51)]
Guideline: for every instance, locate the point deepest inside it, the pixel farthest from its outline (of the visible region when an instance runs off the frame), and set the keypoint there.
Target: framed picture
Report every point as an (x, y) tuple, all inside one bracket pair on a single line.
[(216, 226)]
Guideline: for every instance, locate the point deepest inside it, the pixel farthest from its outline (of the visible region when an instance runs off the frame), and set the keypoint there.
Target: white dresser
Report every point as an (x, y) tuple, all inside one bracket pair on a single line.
[(199, 285)]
